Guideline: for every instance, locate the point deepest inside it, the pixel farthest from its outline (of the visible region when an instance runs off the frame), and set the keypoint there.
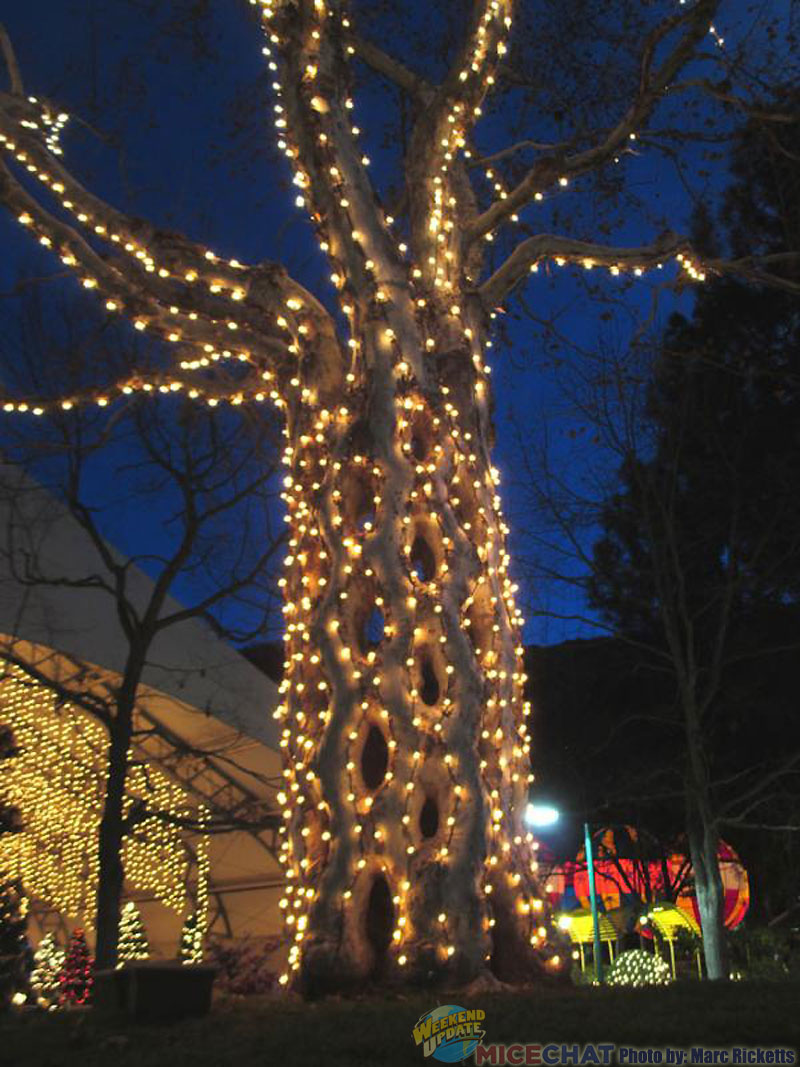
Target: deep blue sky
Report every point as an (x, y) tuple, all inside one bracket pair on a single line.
[(179, 147)]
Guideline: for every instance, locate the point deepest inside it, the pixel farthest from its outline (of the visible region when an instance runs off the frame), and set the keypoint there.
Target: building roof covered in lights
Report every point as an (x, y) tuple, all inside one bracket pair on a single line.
[(204, 712)]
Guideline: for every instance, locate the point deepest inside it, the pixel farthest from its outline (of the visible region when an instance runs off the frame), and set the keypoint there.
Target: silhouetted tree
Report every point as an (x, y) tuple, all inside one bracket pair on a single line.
[(698, 563)]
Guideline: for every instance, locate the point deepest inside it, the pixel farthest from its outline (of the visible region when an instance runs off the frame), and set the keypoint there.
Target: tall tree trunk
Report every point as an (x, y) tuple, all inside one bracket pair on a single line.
[(111, 876), (404, 720), (704, 849), (405, 735)]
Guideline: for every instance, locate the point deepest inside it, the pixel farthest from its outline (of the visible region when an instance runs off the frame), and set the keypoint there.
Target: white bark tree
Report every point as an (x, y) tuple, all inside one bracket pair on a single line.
[(407, 751)]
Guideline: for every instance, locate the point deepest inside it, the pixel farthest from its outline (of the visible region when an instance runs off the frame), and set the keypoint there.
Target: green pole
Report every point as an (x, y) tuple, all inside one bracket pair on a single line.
[(598, 960)]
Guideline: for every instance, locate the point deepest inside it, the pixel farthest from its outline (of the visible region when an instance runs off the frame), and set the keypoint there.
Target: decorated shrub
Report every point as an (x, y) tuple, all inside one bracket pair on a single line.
[(244, 969), (639, 968)]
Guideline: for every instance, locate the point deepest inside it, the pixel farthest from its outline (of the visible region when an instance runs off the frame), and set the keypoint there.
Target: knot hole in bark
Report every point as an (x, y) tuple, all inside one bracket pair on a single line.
[(374, 758), (429, 689), (373, 629), (379, 921), (456, 369), (429, 818), (365, 621), (421, 436), (425, 553), (423, 560), (358, 489)]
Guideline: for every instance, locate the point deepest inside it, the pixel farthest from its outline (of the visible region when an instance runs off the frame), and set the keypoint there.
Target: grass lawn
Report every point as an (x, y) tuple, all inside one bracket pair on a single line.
[(341, 1033)]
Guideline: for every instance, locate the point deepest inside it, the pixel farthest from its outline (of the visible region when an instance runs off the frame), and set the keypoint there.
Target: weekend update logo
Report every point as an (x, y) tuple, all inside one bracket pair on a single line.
[(449, 1033)]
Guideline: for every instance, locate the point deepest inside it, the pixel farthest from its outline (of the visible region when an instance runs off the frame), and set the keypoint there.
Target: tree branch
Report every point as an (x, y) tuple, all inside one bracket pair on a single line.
[(441, 130), (251, 388), (520, 146), (560, 249), (318, 136), (201, 607), (81, 696), (770, 827), (269, 820), (167, 283), (12, 66), (720, 92), (549, 169), (751, 797), (392, 69), (752, 268), (543, 246)]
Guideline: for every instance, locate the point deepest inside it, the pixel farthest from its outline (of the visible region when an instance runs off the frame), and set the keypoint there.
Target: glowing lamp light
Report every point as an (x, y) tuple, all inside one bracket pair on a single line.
[(541, 815)]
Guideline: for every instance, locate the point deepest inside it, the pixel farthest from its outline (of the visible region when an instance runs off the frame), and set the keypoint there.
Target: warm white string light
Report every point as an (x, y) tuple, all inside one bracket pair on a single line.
[(57, 781), (352, 514)]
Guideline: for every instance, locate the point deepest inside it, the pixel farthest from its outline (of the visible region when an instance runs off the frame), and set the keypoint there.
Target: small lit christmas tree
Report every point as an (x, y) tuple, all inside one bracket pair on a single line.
[(75, 980), (48, 965), (191, 950), (132, 937)]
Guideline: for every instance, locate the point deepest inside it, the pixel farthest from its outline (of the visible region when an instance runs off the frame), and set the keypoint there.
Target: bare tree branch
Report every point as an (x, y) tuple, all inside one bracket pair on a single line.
[(567, 250), (165, 282), (12, 66), (391, 68), (65, 692), (652, 84), (441, 131), (563, 250), (721, 92)]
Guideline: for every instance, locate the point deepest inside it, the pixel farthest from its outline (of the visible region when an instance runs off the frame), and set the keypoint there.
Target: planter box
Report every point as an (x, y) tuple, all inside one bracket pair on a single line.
[(153, 991)]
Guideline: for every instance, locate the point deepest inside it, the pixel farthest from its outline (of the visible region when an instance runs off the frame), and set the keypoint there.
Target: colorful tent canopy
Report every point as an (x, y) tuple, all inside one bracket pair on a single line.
[(628, 872), (669, 920), (580, 928)]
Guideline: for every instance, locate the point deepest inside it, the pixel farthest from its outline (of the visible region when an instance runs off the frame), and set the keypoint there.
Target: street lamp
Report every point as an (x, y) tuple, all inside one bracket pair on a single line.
[(598, 960), (544, 815), (541, 815)]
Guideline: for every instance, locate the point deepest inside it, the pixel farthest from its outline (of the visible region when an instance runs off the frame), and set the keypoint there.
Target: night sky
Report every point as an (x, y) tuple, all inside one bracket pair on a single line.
[(178, 110)]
